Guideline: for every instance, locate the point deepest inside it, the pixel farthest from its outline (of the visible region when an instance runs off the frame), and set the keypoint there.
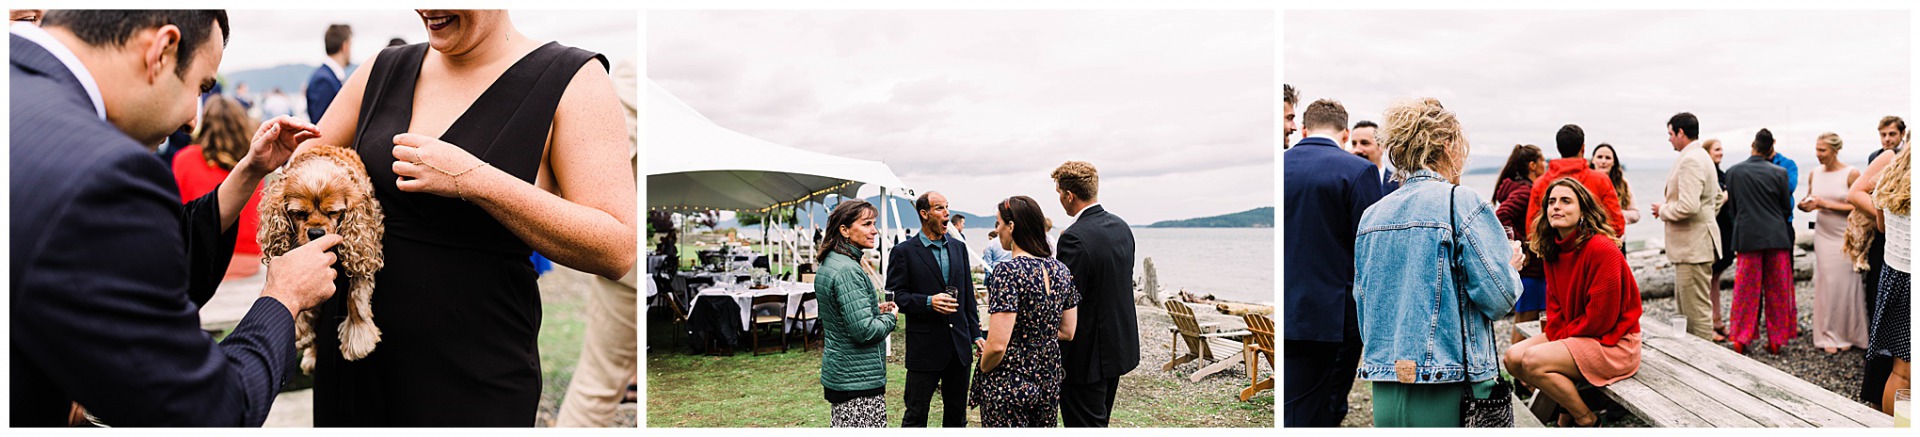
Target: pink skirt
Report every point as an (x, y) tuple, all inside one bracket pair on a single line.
[(1603, 364)]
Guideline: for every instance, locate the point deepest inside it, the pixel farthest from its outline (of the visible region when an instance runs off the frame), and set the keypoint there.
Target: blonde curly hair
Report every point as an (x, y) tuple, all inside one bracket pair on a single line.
[(1895, 190), (1421, 134)]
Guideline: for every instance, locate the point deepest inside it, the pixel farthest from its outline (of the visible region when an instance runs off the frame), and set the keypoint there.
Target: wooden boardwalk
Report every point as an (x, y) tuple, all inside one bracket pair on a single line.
[(1685, 381)]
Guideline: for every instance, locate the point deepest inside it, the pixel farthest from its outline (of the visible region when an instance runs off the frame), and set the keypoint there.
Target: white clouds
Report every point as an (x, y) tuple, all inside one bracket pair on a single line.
[(264, 39), (983, 104), (1516, 76)]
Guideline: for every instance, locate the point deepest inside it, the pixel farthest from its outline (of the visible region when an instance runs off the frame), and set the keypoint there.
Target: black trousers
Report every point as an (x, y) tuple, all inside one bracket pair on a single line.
[(1088, 405), (952, 383), (1318, 376)]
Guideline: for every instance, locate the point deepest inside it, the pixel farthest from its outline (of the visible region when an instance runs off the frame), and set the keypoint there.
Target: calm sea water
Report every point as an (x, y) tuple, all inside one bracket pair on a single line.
[(1649, 187), (1231, 263)]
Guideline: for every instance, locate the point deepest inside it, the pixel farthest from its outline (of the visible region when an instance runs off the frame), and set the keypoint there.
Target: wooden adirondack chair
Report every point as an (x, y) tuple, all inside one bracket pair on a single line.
[(1200, 343), (1258, 342)]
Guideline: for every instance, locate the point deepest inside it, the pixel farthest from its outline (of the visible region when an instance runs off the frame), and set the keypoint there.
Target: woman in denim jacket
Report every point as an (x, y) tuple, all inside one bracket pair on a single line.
[(1429, 281)]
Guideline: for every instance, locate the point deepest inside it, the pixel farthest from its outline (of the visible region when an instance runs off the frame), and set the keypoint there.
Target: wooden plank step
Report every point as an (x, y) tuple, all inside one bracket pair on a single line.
[(1801, 399), (1522, 418), (1684, 387), (1759, 411)]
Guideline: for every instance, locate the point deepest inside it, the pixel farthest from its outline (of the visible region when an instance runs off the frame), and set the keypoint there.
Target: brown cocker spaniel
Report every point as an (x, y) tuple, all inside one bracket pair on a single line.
[(326, 191)]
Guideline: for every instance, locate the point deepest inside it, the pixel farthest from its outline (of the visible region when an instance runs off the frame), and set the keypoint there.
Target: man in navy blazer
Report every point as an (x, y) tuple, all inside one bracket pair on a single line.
[(109, 270), (1326, 191), (325, 81), (1099, 250), (943, 329)]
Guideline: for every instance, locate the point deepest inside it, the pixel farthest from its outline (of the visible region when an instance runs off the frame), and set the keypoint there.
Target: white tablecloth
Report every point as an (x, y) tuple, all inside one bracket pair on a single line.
[(744, 299)]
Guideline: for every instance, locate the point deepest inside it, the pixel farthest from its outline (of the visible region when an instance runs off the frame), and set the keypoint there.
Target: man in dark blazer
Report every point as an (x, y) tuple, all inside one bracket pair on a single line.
[(943, 328), (1098, 249), (325, 81), (108, 269), (1326, 191), (1762, 236)]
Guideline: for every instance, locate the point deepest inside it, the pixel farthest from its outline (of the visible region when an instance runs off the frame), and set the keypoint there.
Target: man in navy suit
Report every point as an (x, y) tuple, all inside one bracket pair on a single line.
[(1326, 191), (109, 269), (1098, 249), (943, 327), (325, 81), (1366, 146)]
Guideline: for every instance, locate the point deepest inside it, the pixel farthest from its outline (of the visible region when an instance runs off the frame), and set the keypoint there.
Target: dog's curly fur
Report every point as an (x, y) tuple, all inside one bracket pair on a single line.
[(327, 188), (1860, 228)]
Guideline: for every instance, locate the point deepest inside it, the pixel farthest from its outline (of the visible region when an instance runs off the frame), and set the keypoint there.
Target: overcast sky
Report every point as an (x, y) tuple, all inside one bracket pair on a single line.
[(263, 39), (1175, 108), (1517, 76)]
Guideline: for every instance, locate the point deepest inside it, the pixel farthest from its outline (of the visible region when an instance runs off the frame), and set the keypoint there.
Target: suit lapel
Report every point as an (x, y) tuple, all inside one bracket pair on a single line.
[(926, 258)]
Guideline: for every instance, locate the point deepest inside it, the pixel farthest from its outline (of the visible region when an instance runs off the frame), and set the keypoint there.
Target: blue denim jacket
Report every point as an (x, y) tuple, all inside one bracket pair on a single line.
[(1408, 306)]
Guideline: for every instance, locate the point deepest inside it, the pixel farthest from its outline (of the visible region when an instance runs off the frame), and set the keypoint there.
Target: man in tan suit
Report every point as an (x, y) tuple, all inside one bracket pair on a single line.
[(1693, 197)]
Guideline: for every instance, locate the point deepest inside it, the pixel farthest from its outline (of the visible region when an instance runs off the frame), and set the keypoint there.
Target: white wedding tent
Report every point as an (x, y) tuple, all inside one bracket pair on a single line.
[(696, 165)]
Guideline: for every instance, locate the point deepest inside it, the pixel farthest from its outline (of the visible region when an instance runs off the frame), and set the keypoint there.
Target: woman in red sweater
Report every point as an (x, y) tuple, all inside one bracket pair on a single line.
[(225, 133), (1592, 320)]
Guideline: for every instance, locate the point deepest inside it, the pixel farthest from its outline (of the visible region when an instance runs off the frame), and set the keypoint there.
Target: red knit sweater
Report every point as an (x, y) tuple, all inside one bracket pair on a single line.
[(1591, 293)]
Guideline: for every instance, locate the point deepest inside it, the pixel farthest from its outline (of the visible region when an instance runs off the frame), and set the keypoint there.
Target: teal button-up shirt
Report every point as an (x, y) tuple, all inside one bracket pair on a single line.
[(939, 255)]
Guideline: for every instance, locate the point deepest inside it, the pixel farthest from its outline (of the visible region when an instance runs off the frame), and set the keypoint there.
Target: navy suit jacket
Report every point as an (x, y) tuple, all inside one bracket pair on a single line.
[(109, 271), (934, 339), (1326, 191), (1098, 249), (321, 86)]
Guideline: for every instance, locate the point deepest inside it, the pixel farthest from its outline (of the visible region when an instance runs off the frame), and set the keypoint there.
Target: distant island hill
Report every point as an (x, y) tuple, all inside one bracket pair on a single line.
[(1261, 217)]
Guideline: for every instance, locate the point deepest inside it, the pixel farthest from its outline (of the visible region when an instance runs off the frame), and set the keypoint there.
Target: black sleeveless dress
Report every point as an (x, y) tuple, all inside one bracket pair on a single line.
[(457, 305)]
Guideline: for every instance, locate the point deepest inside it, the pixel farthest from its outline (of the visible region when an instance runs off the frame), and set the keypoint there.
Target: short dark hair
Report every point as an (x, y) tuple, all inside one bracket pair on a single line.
[(957, 219), (113, 27), (1571, 140), (1365, 123), (1763, 142), (1029, 225), (396, 42), (1291, 96), (337, 37), (1325, 114), (1893, 120), (1686, 123)]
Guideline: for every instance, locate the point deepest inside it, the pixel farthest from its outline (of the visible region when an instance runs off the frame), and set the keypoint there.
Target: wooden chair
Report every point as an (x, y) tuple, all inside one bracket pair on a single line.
[(801, 315), (1200, 343), (807, 277), (775, 321), (1259, 341)]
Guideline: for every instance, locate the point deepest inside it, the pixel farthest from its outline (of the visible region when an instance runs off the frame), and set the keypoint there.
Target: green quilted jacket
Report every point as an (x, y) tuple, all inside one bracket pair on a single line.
[(855, 328)]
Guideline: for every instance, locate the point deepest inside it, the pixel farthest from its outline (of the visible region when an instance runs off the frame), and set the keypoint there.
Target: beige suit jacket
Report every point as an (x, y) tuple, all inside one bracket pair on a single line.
[(1693, 197)]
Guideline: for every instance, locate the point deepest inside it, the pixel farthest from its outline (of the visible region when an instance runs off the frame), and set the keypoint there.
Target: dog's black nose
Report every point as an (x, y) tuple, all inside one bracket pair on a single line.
[(315, 233)]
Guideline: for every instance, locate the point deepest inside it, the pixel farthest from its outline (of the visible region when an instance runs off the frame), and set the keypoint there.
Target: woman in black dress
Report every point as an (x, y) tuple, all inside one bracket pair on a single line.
[(1033, 305), (531, 154)]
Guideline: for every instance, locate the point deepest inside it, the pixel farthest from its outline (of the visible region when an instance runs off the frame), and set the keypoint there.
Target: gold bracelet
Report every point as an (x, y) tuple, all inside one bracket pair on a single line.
[(458, 190)]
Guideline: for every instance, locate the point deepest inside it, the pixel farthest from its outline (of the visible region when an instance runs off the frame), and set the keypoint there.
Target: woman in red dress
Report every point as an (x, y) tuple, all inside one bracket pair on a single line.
[(225, 132)]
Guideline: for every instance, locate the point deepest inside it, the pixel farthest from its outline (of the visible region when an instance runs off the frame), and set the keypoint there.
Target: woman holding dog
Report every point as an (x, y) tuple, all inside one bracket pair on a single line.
[(483, 145)]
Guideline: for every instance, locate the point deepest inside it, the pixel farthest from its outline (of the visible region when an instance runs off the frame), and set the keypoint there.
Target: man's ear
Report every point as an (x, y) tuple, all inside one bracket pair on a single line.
[(159, 53), (1344, 134)]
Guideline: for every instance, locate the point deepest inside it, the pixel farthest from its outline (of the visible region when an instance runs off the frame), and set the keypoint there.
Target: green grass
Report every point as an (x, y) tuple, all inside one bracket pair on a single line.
[(783, 390), (563, 328)]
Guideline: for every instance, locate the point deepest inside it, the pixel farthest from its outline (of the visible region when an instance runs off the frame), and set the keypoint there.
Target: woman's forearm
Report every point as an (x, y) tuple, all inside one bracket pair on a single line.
[(568, 233), (234, 192)]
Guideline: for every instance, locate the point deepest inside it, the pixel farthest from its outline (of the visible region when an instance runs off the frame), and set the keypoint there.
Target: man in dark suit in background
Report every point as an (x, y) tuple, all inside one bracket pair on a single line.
[(109, 270), (325, 81), (1326, 192), (1367, 147), (943, 327), (1098, 249)]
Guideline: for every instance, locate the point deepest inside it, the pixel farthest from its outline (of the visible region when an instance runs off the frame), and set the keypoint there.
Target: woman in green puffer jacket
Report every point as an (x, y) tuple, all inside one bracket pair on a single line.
[(853, 366)]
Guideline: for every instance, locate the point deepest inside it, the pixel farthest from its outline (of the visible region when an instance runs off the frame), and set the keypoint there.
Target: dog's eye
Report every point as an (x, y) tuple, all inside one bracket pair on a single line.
[(297, 214)]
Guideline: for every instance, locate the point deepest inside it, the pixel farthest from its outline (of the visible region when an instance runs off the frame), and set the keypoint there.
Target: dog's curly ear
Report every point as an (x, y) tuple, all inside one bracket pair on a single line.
[(276, 232), (361, 229)]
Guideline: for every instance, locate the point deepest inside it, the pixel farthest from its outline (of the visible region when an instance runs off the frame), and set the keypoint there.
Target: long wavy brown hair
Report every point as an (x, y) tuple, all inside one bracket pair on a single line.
[(224, 133), (1617, 175), (1593, 221)]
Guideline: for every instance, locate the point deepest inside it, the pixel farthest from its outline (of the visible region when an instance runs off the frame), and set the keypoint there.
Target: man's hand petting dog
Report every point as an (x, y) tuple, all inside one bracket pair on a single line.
[(274, 143), (303, 277)]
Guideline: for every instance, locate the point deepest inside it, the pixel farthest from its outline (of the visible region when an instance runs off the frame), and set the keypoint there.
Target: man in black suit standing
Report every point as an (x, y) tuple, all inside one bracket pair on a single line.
[(1098, 249), (109, 269), (929, 275)]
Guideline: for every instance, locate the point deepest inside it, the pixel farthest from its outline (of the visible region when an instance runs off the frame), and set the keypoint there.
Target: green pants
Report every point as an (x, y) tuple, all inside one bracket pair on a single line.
[(1397, 405)]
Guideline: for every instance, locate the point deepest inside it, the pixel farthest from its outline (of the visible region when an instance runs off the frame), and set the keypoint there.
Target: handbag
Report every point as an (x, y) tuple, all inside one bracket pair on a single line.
[(1495, 410)]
